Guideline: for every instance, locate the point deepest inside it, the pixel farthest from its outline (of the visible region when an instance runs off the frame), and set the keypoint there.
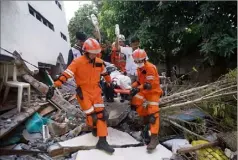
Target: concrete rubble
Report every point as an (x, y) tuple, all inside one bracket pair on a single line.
[(66, 125), (56, 99), (70, 138), (117, 111), (12, 118)]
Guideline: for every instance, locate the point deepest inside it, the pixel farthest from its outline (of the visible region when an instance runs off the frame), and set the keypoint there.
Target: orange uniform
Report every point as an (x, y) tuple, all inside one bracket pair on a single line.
[(86, 71), (118, 59), (87, 77), (148, 75)]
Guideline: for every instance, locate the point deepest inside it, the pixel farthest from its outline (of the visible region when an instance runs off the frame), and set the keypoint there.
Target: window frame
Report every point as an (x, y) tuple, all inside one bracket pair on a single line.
[(40, 17)]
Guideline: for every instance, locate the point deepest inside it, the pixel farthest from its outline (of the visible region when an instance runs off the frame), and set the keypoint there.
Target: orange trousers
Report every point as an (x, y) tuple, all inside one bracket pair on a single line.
[(93, 103), (152, 99)]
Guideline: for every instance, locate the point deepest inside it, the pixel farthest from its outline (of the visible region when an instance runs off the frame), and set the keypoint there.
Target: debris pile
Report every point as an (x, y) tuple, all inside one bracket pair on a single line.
[(226, 87), (57, 127), (206, 113)]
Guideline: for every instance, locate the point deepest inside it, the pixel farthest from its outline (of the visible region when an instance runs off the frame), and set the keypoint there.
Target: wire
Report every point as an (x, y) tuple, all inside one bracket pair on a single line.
[(21, 58)]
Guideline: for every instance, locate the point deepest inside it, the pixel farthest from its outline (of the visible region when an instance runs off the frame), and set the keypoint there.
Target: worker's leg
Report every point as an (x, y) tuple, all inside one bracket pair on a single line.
[(87, 107), (102, 117), (153, 118)]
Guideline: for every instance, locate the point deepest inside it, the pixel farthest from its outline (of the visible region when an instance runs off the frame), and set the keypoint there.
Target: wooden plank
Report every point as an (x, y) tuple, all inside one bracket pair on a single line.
[(197, 147), (48, 109)]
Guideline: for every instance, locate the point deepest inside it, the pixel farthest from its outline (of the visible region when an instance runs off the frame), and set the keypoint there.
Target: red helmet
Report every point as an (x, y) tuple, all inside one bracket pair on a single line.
[(92, 46)]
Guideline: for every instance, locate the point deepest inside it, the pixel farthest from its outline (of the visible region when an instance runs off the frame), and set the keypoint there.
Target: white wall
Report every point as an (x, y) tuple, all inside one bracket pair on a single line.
[(22, 32)]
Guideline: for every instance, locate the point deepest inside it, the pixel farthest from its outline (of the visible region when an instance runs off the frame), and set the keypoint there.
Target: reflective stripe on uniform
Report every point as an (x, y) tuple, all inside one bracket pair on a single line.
[(149, 77), (99, 105), (138, 96), (69, 72), (153, 103), (91, 109)]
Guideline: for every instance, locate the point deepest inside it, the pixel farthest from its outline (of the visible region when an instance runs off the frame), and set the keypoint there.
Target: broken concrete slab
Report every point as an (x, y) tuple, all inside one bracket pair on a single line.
[(12, 119), (117, 111), (115, 138), (57, 129), (138, 153)]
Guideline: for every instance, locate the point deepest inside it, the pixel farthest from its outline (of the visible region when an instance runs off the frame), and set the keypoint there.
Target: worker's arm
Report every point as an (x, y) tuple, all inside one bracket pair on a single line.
[(150, 78), (112, 58), (70, 57), (118, 48), (68, 73), (150, 74), (135, 84)]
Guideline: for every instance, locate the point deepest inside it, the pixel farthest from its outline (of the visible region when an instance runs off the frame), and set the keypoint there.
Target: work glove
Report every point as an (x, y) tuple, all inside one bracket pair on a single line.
[(50, 92), (134, 91)]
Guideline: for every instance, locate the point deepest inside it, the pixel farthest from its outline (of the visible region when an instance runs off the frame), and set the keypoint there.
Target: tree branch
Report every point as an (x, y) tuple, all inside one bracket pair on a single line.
[(198, 100), (185, 130)]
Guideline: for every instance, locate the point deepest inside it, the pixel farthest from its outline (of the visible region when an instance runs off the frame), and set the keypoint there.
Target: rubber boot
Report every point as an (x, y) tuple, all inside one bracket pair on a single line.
[(103, 145), (153, 142), (94, 132)]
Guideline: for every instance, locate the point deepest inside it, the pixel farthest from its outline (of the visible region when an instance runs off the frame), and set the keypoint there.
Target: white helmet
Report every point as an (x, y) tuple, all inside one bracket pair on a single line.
[(121, 37)]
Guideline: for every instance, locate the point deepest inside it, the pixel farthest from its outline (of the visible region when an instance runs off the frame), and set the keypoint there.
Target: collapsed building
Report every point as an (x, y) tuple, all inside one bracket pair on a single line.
[(33, 128)]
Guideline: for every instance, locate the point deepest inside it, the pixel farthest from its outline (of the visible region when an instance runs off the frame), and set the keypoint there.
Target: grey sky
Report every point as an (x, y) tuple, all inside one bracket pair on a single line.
[(72, 6)]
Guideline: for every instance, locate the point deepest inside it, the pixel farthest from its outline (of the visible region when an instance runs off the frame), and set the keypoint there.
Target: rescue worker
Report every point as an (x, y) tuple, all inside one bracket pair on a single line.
[(76, 50), (147, 87), (118, 58), (87, 70), (106, 52), (127, 51)]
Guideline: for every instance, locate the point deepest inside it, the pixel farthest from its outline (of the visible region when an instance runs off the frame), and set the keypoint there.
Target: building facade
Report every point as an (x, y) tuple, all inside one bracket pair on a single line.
[(36, 29)]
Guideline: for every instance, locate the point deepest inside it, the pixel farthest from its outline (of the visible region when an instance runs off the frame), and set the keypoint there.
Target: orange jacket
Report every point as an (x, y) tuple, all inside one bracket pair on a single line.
[(148, 74), (86, 74), (118, 59)]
